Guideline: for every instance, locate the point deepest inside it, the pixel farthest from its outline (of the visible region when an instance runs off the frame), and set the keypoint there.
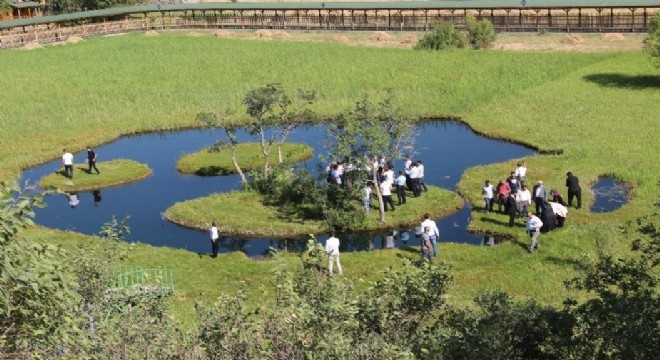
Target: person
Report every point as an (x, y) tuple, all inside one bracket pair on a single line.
[(73, 200), (556, 197), (511, 207), (332, 248), (434, 234), (521, 172), (67, 161), (414, 179), (513, 182), (523, 200), (334, 175), (400, 182), (503, 192), (366, 196), (560, 213), (422, 184), (489, 194), (533, 227), (214, 239), (540, 196), (426, 244), (97, 197), (389, 174), (574, 190), (91, 161), (386, 193)]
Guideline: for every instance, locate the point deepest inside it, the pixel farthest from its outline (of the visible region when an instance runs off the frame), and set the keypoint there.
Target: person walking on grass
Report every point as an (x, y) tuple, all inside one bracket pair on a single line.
[(511, 207), (489, 196), (533, 227), (523, 201), (67, 161), (434, 233), (574, 189), (214, 239), (91, 161), (386, 193), (366, 196), (332, 248), (426, 245)]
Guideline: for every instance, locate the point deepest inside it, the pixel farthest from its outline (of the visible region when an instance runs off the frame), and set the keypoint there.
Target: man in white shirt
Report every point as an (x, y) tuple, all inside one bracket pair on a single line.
[(523, 200), (489, 195), (67, 161), (366, 196), (386, 193), (389, 174), (332, 248), (414, 179), (420, 176), (214, 239), (521, 172), (533, 226), (434, 233)]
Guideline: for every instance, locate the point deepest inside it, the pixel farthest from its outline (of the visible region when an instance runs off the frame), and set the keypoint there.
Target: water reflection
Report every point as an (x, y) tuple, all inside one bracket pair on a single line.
[(610, 194), (72, 199)]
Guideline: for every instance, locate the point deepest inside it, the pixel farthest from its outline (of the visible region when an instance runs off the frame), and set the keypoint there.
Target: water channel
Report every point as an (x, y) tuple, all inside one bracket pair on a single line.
[(446, 148)]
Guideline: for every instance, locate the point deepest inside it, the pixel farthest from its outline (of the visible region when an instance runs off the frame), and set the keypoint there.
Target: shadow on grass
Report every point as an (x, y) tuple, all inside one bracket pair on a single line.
[(634, 82), (504, 222), (576, 264)]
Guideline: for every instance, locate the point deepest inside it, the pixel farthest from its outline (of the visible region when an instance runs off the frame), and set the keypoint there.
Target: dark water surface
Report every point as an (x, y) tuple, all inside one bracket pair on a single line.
[(446, 148), (609, 194)]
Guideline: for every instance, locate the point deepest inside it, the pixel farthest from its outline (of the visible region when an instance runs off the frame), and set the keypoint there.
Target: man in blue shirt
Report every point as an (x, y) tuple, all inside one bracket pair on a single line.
[(401, 188)]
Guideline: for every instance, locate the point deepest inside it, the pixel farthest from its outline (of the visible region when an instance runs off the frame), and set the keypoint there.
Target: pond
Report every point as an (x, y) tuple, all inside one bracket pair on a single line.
[(609, 195), (446, 148)]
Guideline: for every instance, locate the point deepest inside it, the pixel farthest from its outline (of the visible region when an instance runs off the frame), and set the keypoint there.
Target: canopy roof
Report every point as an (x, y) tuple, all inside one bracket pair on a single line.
[(24, 4), (384, 5)]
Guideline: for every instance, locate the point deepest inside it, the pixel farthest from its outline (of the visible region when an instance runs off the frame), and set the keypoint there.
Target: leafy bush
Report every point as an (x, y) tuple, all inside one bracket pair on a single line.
[(444, 36), (652, 45), (480, 33)]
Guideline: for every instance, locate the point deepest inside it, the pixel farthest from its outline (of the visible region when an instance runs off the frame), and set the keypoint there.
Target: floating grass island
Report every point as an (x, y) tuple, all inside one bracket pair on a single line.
[(248, 156), (113, 173), (244, 213)]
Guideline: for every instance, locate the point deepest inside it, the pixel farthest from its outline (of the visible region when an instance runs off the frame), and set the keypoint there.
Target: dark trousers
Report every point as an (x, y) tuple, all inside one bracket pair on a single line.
[(92, 164), (422, 185), (214, 247), (387, 199), (401, 194), (501, 201), (512, 215), (578, 195), (560, 221), (539, 205), (415, 187), (68, 169)]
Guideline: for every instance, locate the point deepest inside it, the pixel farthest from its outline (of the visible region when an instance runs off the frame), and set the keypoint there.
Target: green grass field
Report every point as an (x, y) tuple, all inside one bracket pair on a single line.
[(601, 110), (248, 156), (113, 173)]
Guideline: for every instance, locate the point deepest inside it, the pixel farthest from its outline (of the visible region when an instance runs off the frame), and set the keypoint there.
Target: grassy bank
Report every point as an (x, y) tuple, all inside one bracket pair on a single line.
[(248, 156), (113, 173), (600, 109), (244, 213)]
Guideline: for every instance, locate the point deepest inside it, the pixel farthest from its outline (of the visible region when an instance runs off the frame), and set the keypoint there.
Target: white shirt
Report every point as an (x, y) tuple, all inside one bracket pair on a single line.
[(534, 223), (67, 158), (414, 172), (420, 169), (407, 164), (524, 196), (559, 209), (488, 191), (431, 224), (389, 176), (214, 233), (332, 246), (521, 171), (386, 188), (73, 200)]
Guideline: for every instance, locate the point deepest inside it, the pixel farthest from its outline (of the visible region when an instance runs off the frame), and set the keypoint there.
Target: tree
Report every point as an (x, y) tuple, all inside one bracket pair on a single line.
[(270, 109), (219, 120), (368, 130), (652, 45)]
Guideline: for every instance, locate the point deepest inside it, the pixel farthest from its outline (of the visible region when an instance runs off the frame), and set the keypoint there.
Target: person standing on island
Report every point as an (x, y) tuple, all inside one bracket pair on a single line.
[(434, 233), (540, 196), (332, 248), (214, 239), (533, 226), (91, 161), (573, 185), (67, 161)]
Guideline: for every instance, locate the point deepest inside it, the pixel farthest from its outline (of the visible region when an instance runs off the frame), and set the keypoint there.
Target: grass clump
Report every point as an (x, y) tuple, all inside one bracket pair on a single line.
[(113, 173), (246, 213), (211, 161)]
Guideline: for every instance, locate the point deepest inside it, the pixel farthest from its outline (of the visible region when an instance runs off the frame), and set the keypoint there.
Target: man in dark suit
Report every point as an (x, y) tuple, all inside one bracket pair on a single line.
[(573, 185), (540, 196)]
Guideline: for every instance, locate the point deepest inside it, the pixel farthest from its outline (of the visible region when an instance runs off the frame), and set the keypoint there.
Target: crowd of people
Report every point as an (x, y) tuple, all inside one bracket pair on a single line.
[(514, 198)]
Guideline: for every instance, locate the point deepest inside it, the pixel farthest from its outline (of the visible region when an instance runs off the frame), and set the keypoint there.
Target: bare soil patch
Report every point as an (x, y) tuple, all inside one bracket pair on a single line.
[(195, 34), (151, 33), (572, 39), (341, 39), (222, 34), (263, 34), (281, 35), (74, 40), (380, 36), (613, 37), (32, 46)]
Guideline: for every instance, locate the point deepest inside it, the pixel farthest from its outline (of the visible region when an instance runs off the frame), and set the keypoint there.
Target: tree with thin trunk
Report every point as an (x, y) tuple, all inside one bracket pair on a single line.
[(274, 119), (367, 130), (213, 120)]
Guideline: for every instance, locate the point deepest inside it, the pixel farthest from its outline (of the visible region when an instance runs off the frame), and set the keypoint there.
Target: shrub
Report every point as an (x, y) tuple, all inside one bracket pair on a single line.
[(480, 33), (652, 45), (444, 36)]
